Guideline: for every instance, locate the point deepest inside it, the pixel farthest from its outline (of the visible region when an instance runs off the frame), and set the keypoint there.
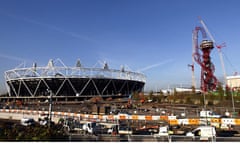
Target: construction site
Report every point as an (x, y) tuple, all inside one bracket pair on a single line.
[(93, 94)]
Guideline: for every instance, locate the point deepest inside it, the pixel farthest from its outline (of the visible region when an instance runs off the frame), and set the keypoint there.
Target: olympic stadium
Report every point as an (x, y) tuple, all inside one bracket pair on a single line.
[(72, 82)]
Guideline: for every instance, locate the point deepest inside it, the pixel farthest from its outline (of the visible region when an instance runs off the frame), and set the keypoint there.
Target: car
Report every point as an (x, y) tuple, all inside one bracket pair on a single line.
[(124, 130), (227, 133), (27, 121)]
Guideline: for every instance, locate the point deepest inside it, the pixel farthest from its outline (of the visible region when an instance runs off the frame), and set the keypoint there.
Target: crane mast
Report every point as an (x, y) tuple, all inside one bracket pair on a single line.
[(192, 65), (193, 75)]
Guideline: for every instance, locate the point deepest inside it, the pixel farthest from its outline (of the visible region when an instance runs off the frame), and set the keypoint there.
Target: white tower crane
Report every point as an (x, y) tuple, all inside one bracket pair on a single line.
[(219, 49), (192, 65)]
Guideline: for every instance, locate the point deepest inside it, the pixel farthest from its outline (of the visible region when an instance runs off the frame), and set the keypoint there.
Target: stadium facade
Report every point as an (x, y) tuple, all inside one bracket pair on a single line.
[(75, 81)]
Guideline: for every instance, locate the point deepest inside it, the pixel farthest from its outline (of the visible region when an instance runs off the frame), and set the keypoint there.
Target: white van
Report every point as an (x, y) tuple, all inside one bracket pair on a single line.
[(163, 131), (209, 114), (90, 127), (203, 132)]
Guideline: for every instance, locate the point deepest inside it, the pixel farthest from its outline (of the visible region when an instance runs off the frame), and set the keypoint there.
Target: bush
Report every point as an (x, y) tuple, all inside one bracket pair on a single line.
[(15, 132), (210, 103)]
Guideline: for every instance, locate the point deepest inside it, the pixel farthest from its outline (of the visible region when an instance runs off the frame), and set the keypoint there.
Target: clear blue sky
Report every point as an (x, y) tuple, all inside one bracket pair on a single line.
[(152, 36)]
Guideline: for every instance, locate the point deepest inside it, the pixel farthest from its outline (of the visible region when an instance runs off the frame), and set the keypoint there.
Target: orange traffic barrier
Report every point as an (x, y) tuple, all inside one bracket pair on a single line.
[(173, 122), (135, 117), (193, 121), (237, 121), (90, 116), (164, 117), (110, 117), (147, 117), (214, 120), (122, 117), (100, 117)]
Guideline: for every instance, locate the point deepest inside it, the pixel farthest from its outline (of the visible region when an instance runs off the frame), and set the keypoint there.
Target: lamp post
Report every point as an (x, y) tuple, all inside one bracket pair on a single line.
[(233, 101), (128, 129), (50, 108), (205, 107)]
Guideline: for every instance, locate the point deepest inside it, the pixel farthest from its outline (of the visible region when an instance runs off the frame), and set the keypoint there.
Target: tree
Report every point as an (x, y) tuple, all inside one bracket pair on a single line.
[(193, 89), (228, 93), (135, 95), (220, 92), (161, 96)]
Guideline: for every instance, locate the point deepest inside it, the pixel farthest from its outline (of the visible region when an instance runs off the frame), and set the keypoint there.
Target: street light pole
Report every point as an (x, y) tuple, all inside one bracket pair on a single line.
[(50, 108), (205, 107), (232, 95), (232, 100), (204, 101)]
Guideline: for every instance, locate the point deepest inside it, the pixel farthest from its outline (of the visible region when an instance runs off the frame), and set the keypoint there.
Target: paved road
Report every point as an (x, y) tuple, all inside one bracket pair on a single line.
[(145, 138), (137, 138)]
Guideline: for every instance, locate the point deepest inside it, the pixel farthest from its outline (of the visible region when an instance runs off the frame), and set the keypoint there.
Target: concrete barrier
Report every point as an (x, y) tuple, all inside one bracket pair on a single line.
[(19, 114)]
